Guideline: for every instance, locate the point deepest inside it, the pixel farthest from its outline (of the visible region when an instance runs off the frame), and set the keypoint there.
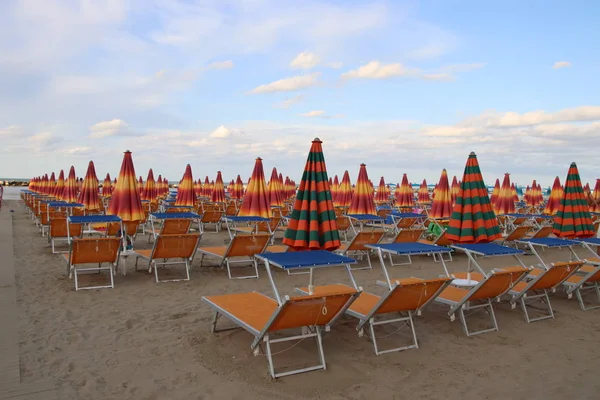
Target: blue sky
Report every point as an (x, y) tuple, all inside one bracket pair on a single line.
[(404, 86)]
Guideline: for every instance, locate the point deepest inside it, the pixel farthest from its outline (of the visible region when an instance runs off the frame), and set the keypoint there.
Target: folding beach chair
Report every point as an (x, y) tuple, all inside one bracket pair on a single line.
[(538, 287), (410, 235), (269, 227), (211, 217), (357, 245), (231, 209), (517, 233), (58, 231), (172, 226), (170, 247), (542, 232), (441, 240), (262, 317), (241, 249), (343, 226), (92, 251), (480, 296), (587, 281)]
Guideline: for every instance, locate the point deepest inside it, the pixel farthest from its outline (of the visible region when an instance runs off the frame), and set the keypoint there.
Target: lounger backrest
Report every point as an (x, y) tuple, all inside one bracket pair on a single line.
[(94, 250), (175, 246), (498, 283), (408, 235), (442, 240), (405, 223), (211, 217), (543, 232), (58, 228), (179, 209), (411, 296), (130, 227), (557, 273), (343, 223), (247, 245), (311, 310), (383, 212), (176, 226), (269, 226), (363, 238), (77, 211), (231, 209), (518, 233), (593, 276)]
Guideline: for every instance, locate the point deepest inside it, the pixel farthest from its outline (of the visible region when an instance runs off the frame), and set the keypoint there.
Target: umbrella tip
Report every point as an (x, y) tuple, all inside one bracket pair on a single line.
[(258, 159), (472, 154), (317, 140)]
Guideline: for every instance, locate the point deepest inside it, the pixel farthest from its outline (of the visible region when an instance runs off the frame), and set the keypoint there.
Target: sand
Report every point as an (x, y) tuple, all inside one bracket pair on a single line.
[(151, 341)]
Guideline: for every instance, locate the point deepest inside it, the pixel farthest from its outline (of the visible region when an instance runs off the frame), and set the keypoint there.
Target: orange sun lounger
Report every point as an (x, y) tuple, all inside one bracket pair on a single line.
[(92, 251), (587, 281), (263, 317), (357, 245)]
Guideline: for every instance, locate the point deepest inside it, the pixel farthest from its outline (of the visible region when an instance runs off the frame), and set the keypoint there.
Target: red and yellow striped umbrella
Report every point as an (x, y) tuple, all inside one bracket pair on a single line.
[(535, 198), (505, 202), (556, 196), (44, 184), (442, 201), (423, 193), (573, 219), (60, 186), (513, 188), (473, 219), (587, 189), (107, 186), (185, 190), (159, 186), (256, 202), (69, 193), (166, 186), (125, 201), (312, 225), (206, 188), (239, 188), (286, 187), (218, 191), (362, 199), (344, 194), (454, 189), (382, 196), (89, 195), (150, 191), (274, 192), (51, 184), (335, 188), (405, 196), (596, 196), (79, 185), (495, 192)]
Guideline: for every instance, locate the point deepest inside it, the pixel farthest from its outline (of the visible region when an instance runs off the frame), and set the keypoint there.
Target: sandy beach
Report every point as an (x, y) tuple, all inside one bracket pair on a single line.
[(151, 341)]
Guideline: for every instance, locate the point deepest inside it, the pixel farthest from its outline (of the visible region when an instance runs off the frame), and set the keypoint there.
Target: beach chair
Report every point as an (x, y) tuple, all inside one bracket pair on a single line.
[(343, 226), (241, 249), (542, 232), (231, 209), (262, 227), (517, 233), (180, 248), (211, 217), (173, 226), (58, 231), (538, 287), (588, 280), (92, 251), (409, 235), (263, 317), (480, 296), (357, 245), (441, 240)]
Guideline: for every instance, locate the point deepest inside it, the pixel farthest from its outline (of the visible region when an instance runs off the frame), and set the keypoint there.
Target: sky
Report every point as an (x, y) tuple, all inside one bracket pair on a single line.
[(403, 86)]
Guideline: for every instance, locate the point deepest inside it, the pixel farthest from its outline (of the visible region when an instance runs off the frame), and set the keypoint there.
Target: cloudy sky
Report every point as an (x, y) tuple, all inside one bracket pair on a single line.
[(404, 86)]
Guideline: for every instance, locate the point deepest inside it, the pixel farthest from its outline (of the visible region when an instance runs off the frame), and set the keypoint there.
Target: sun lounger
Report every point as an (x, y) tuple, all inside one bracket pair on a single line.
[(85, 251), (172, 223), (357, 245), (441, 240), (179, 248), (516, 234), (211, 217), (480, 296), (408, 235), (263, 317), (59, 232), (587, 281)]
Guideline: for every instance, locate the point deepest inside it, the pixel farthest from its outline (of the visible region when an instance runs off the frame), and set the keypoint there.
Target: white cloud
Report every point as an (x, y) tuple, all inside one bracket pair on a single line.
[(314, 113), (221, 65), (289, 84), (223, 132), (514, 119), (11, 131), (378, 70), (114, 127), (287, 103), (305, 60), (561, 64)]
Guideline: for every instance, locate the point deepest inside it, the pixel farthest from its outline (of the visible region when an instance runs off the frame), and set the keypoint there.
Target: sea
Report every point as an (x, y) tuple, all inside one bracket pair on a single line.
[(12, 192)]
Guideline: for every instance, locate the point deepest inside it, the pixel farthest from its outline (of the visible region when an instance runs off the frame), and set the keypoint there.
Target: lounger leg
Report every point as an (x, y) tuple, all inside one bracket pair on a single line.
[(484, 306), (187, 268), (269, 356), (75, 279), (320, 345), (407, 320)]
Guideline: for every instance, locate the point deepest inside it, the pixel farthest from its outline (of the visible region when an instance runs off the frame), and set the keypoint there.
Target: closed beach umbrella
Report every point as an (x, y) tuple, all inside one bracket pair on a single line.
[(454, 189), (312, 225), (89, 195), (382, 195), (256, 202), (405, 196), (442, 202), (218, 192), (344, 194), (505, 202), (573, 219), (60, 186), (125, 201), (556, 196), (513, 188), (274, 192), (107, 186), (334, 188), (495, 192), (150, 191), (423, 193), (71, 188), (140, 185), (185, 190), (362, 199), (596, 196)]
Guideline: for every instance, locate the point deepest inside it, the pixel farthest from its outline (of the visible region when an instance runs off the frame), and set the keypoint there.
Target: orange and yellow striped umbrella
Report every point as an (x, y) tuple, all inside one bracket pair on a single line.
[(60, 186), (382, 196), (206, 188), (140, 185), (150, 191), (44, 184), (454, 189), (159, 186), (166, 186), (335, 188), (256, 202), (556, 196), (442, 201), (405, 196), (274, 192), (505, 202), (587, 189), (218, 191), (312, 225), (495, 192), (238, 189), (513, 188), (51, 184), (535, 198), (125, 201), (423, 193), (596, 196), (69, 193), (344, 193), (198, 187), (185, 190), (573, 219), (79, 185), (107, 186), (89, 195), (473, 219), (362, 199)]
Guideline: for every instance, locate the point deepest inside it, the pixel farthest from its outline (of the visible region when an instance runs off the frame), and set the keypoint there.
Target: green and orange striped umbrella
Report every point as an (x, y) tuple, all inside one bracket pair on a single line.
[(150, 191), (382, 196), (362, 199), (454, 189), (274, 193), (423, 193), (596, 196), (90, 191), (556, 196), (125, 200), (60, 186), (256, 202), (505, 202), (405, 196), (107, 186), (344, 194), (495, 192), (185, 190), (69, 193), (473, 219), (218, 191), (312, 225), (442, 202), (573, 219)]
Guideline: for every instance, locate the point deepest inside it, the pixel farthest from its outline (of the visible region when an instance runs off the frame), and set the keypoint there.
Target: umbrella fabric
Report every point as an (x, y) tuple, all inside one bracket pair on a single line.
[(382, 196), (587, 189), (206, 186), (312, 225), (51, 184), (495, 192), (107, 186), (505, 202), (596, 196), (473, 219), (150, 191), (198, 187), (335, 188), (454, 189), (513, 188), (160, 186), (89, 195), (238, 189), (423, 193), (140, 185), (442, 202), (344, 194), (286, 187), (362, 199), (556, 196), (69, 193), (44, 184), (405, 196), (274, 193), (185, 190), (218, 193), (125, 201), (256, 203), (60, 186), (573, 219)]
